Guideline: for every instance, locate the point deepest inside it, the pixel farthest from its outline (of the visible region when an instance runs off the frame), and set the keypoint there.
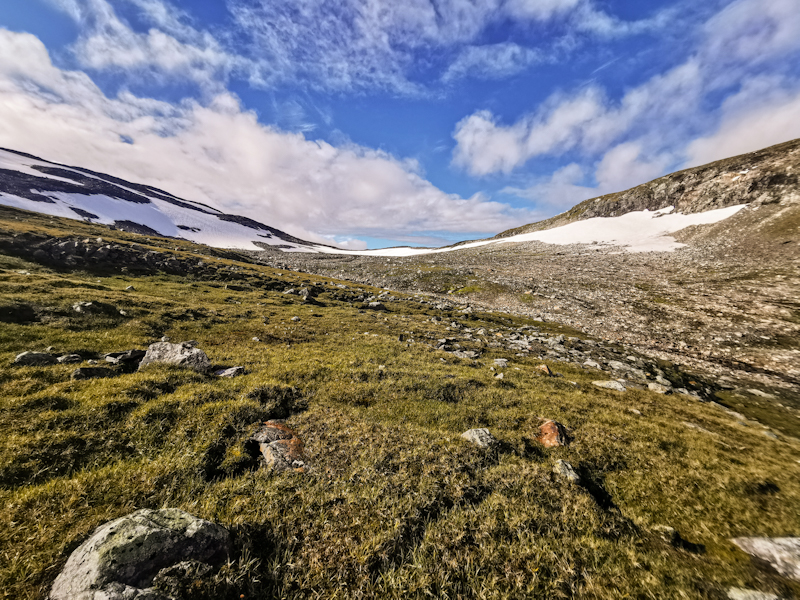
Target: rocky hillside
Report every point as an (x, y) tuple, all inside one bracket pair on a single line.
[(767, 176)]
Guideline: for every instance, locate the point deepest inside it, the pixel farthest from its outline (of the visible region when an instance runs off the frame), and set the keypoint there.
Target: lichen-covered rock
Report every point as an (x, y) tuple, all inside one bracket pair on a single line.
[(564, 469), (185, 355), (480, 437), (35, 359), (121, 558), (552, 434), (782, 553), (281, 447)]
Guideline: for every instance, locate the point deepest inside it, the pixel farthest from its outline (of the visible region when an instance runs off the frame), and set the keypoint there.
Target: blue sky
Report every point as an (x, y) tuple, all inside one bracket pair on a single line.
[(375, 122)]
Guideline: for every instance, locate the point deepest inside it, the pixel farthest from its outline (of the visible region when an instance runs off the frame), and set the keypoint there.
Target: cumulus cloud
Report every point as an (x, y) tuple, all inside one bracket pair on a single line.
[(741, 43), (218, 153), (623, 166)]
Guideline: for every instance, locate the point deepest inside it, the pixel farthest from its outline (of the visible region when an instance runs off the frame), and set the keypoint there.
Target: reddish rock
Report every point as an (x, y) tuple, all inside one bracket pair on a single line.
[(552, 434), (281, 447), (546, 370)]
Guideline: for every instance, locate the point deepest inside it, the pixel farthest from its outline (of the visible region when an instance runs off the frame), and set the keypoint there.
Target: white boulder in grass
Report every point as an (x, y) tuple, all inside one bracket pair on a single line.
[(185, 355)]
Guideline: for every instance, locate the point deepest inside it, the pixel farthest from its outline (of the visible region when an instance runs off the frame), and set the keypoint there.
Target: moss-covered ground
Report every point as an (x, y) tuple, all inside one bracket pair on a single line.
[(394, 504)]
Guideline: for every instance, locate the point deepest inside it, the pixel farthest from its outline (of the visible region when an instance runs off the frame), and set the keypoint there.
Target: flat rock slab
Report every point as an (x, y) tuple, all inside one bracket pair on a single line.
[(70, 359), (185, 355), (122, 557), (783, 554), (281, 447), (743, 594), (91, 373), (610, 385), (552, 434), (232, 372), (35, 359), (480, 437), (127, 357)]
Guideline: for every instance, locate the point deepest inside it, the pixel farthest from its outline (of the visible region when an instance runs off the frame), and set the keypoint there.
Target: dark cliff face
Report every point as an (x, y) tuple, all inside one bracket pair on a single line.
[(766, 176)]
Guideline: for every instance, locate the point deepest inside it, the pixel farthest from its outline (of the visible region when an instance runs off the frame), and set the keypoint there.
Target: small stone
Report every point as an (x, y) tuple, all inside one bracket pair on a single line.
[(296, 319), (743, 594), (130, 288), (35, 359), (501, 362), (164, 338), (545, 369), (70, 359), (782, 553), (564, 469), (376, 306), (480, 437), (552, 434), (771, 435), (50, 349), (255, 339), (610, 385), (591, 364), (658, 388), (91, 373), (123, 313), (499, 376), (232, 372), (638, 413)]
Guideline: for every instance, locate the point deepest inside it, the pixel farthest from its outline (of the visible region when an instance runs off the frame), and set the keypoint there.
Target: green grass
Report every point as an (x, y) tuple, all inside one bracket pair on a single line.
[(394, 504)]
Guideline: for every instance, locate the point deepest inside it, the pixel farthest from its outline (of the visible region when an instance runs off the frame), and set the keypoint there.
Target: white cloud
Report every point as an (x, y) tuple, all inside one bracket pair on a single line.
[(745, 42), (170, 49), (763, 113), (495, 61), (358, 44), (220, 154), (622, 167)]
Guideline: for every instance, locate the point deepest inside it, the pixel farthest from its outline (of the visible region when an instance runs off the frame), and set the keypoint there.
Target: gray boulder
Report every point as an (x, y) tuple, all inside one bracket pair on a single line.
[(782, 553), (122, 557), (35, 359), (480, 437), (376, 306), (231, 372), (564, 469), (70, 359), (185, 355)]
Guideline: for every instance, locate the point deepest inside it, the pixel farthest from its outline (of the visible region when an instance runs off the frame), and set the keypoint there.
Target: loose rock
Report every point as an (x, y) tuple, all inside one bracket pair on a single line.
[(564, 469), (232, 372), (480, 437), (127, 357), (121, 558), (552, 434), (35, 359), (658, 388), (546, 370), (176, 354), (743, 594), (782, 553), (281, 447), (610, 385), (70, 359), (91, 373)]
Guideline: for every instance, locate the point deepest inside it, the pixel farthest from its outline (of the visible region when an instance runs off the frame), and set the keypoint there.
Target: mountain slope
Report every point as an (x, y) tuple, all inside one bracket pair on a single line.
[(42, 186), (767, 176)]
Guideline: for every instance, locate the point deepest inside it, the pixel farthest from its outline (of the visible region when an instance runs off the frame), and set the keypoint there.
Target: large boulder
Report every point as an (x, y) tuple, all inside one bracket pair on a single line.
[(185, 355), (783, 554), (121, 558)]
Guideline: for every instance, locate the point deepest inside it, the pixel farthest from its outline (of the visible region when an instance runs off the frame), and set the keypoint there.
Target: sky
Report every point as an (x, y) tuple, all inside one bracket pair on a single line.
[(370, 123)]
